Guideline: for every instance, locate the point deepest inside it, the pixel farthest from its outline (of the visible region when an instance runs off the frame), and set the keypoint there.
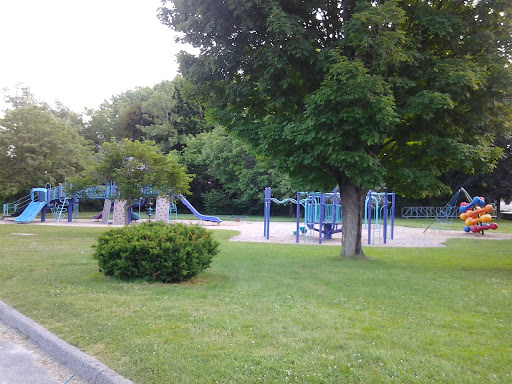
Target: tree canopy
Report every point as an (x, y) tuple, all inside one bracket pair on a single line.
[(161, 113), (229, 179), (363, 94), (38, 147), (133, 165)]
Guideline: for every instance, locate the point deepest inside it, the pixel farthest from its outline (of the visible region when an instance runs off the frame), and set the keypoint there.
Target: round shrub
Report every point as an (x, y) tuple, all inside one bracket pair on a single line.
[(155, 252)]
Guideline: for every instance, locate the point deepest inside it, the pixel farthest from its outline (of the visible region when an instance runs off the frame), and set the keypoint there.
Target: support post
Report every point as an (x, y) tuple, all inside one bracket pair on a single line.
[(297, 232), (71, 209), (266, 213), (321, 218), (392, 215), (385, 216), (369, 199)]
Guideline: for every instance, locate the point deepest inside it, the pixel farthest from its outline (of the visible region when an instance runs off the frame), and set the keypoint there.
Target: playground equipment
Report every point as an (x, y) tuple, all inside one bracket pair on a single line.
[(448, 212), (16, 208), (46, 198), (56, 200), (476, 218), (60, 203), (39, 199), (323, 213), (379, 208), (196, 213)]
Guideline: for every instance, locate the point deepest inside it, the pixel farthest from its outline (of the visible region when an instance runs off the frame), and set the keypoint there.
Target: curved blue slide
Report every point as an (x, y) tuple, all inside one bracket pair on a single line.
[(30, 212), (214, 219)]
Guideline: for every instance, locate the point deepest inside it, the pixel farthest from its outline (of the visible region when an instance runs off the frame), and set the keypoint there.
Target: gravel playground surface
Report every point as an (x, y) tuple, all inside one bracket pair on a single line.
[(282, 233), (402, 237)]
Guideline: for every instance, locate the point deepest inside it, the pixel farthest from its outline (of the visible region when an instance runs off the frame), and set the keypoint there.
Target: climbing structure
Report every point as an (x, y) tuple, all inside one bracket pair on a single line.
[(477, 216)]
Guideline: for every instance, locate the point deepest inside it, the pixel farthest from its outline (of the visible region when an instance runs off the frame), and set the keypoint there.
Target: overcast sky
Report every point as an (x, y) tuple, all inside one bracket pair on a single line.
[(83, 52)]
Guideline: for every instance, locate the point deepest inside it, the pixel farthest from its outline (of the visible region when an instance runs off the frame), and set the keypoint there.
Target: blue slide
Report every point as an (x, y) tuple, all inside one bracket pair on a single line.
[(30, 212), (197, 214)]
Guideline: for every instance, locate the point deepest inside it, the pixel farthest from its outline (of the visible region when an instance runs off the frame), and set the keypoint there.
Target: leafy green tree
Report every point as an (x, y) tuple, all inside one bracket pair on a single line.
[(117, 118), (358, 93), (20, 97), (38, 148), (494, 186), (161, 113), (134, 165), (229, 179)]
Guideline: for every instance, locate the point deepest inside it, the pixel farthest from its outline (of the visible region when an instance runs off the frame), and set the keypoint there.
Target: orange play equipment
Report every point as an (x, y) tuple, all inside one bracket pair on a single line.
[(475, 217), (482, 219), (486, 209)]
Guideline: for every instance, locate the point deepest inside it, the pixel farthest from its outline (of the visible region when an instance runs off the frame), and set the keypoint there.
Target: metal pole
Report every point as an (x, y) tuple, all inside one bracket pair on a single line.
[(297, 234), (266, 224), (369, 200), (392, 215), (321, 218), (385, 217)]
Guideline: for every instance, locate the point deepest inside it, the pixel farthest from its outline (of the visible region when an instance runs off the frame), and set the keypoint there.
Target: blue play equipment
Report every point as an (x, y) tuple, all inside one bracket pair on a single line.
[(54, 199), (379, 208), (196, 213), (38, 197), (323, 214), (60, 204), (16, 208), (42, 199)]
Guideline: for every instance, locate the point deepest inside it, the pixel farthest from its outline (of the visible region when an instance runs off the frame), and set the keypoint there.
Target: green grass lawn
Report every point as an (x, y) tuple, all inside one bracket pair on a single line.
[(276, 313)]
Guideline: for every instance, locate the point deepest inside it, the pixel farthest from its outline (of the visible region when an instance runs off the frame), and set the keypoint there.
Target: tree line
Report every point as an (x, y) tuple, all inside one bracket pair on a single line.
[(47, 143)]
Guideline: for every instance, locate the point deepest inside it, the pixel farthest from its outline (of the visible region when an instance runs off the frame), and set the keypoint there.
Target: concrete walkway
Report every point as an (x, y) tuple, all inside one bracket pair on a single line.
[(31, 354)]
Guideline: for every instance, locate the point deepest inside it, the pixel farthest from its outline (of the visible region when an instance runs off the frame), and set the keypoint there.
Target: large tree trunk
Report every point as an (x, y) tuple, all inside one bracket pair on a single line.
[(352, 205)]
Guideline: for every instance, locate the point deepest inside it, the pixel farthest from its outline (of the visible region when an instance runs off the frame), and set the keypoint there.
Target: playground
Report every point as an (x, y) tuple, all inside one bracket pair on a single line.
[(319, 218), (283, 233)]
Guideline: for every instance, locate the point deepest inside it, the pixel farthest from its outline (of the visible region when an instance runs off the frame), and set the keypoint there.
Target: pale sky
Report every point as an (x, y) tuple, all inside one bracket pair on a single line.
[(83, 52)]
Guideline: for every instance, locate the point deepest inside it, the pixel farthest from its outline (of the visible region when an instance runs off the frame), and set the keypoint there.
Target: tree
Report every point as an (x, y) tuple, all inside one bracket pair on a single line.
[(161, 113), (495, 186), (359, 93), (229, 179), (117, 118), (133, 165), (37, 148)]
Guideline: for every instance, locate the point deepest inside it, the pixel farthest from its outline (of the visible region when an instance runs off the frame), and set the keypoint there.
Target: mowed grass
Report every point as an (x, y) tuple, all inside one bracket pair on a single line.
[(276, 313)]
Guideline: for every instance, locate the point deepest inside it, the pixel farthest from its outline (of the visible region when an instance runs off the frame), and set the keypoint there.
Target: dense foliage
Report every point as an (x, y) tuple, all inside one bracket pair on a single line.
[(161, 113), (38, 146), (155, 252), (133, 166), (357, 93), (229, 179)]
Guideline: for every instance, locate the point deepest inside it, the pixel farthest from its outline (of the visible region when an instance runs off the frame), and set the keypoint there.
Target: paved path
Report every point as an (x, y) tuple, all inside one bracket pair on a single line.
[(23, 362), (31, 354)]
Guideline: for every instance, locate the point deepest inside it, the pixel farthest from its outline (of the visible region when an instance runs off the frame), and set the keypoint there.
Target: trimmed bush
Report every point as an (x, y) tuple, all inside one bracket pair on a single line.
[(155, 252)]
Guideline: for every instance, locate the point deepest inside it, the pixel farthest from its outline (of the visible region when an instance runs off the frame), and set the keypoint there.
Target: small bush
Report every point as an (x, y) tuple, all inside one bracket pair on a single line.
[(155, 252)]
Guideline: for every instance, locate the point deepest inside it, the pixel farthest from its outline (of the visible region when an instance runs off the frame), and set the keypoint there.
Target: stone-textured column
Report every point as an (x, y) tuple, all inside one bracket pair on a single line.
[(162, 209), (119, 212), (106, 210)]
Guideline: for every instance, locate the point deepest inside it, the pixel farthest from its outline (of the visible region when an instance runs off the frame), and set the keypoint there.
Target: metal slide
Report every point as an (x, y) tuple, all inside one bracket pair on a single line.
[(30, 212), (197, 214)]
